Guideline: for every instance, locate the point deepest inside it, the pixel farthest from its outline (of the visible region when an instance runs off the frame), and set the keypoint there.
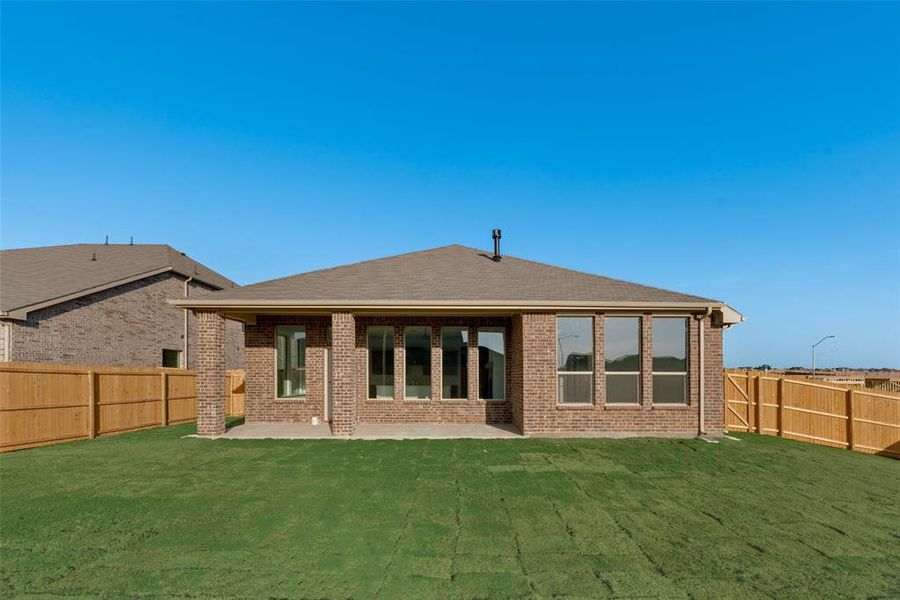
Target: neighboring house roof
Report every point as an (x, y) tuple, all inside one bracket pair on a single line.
[(33, 278), (450, 277)]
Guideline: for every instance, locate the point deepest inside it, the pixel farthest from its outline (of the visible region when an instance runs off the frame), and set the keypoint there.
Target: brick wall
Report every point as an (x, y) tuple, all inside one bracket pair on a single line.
[(543, 414), (210, 374), (260, 402), (531, 379), (128, 325), (435, 409)]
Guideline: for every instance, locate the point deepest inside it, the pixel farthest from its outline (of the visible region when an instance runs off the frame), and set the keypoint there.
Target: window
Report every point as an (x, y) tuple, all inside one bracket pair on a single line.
[(381, 362), (623, 359), (171, 358), (491, 364), (455, 361), (670, 360), (575, 360), (290, 348), (418, 362)]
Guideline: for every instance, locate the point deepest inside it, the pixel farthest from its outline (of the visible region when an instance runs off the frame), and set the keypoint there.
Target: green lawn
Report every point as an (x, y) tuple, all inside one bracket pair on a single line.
[(151, 514)]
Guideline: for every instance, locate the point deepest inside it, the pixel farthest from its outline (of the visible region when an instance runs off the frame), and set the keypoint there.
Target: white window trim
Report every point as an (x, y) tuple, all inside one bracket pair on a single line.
[(478, 331), (430, 395), (639, 373), (466, 329), (593, 399), (687, 358), (275, 361), (369, 361)]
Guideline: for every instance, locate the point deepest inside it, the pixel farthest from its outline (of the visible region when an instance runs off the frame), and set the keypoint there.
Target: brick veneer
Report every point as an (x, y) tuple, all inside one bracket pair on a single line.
[(128, 326), (210, 373), (435, 409), (544, 416), (343, 336), (531, 379), (261, 403)]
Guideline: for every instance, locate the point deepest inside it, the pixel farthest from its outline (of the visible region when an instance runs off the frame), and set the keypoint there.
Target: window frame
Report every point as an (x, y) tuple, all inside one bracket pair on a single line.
[(430, 395), (687, 360), (489, 329), (592, 372), (179, 358), (305, 368), (464, 329), (640, 352), (393, 331)]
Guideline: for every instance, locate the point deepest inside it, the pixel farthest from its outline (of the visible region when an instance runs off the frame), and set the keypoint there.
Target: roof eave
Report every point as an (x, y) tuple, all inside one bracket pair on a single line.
[(20, 313), (397, 305)]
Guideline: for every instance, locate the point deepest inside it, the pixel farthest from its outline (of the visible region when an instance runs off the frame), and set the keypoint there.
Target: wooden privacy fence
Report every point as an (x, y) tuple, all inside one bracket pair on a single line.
[(44, 404), (828, 414)]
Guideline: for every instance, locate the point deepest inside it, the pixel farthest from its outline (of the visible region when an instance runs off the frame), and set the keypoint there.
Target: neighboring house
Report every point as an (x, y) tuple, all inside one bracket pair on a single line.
[(104, 304), (458, 335)]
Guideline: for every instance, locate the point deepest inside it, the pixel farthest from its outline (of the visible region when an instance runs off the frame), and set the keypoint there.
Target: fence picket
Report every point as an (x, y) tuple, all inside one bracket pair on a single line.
[(45, 404), (816, 409)]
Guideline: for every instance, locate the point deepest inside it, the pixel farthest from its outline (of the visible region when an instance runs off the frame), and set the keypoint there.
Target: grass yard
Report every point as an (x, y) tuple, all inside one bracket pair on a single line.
[(149, 514)]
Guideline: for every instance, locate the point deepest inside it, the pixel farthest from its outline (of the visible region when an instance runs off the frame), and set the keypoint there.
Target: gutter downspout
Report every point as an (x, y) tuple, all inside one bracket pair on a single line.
[(701, 388), (186, 348), (7, 340)]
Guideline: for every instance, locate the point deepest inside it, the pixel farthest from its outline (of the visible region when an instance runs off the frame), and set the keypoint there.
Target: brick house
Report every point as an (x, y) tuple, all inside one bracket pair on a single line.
[(458, 335), (105, 304)]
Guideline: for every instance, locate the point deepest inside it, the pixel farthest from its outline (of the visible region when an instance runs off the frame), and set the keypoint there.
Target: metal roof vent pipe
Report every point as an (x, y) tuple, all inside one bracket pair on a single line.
[(496, 235)]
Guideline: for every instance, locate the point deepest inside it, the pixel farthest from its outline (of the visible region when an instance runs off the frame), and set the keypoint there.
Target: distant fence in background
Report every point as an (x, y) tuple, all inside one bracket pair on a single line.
[(829, 414), (43, 404), (234, 393)]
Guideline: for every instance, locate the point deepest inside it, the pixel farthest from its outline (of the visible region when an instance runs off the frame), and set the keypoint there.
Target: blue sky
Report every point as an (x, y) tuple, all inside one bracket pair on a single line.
[(747, 152)]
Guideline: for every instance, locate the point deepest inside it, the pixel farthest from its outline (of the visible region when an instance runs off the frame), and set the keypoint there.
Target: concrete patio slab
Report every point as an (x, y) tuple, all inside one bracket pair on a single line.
[(370, 431), (432, 431), (278, 431)]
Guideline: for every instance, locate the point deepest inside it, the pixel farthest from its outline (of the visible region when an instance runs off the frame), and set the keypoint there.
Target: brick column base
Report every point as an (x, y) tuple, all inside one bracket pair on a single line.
[(343, 378), (210, 374)]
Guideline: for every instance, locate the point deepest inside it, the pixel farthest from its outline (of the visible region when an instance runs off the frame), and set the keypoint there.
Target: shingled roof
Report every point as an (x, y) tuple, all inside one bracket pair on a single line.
[(32, 278), (449, 276)]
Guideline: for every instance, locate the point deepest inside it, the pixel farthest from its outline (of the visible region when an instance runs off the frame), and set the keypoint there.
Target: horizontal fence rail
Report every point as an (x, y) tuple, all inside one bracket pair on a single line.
[(829, 414), (43, 404)]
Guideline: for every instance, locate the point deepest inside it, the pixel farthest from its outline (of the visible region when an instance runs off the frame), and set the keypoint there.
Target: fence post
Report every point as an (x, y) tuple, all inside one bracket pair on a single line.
[(92, 404), (759, 406), (850, 442), (781, 407), (164, 397)]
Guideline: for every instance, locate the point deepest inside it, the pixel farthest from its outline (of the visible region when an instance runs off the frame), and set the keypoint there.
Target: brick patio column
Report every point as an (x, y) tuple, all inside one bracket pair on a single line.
[(343, 373), (538, 372), (210, 373)]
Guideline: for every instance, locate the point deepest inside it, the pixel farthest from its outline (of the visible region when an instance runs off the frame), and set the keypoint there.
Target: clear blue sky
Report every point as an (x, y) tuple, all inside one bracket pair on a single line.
[(749, 153)]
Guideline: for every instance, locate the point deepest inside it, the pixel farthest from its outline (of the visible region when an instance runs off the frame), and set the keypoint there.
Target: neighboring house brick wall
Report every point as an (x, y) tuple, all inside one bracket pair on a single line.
[(128, 325)]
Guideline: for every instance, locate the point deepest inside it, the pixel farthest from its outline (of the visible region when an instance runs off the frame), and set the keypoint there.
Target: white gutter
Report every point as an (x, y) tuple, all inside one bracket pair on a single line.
[(7, 340), (185, 363), (214, 303)]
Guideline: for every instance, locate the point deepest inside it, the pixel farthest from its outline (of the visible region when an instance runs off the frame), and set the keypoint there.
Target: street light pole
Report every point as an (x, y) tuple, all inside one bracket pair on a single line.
[(827, 337)]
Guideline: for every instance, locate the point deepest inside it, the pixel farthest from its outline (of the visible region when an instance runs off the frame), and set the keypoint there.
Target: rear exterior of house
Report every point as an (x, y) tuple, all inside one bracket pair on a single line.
[(105, 304), (457, 335)]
